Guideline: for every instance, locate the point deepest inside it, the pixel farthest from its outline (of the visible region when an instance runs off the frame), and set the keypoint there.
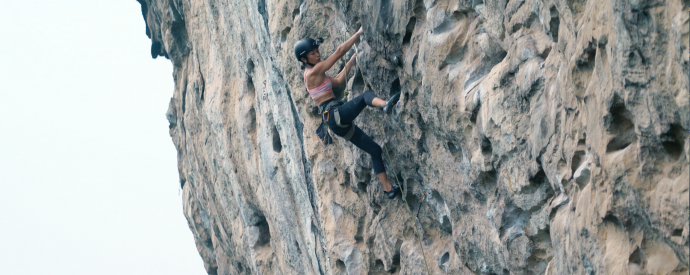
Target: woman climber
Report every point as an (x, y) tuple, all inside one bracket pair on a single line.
[(337, 115)]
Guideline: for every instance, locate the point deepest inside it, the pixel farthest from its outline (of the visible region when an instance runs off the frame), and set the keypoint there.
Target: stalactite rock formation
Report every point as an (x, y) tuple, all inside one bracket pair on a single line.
[(547, 136)]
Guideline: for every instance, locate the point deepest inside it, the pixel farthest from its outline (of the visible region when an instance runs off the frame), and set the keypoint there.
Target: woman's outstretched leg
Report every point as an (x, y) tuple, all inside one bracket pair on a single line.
[(364, 142)]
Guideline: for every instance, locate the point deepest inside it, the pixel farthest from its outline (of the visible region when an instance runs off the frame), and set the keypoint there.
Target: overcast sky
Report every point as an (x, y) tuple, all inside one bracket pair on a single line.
[(88, 172)]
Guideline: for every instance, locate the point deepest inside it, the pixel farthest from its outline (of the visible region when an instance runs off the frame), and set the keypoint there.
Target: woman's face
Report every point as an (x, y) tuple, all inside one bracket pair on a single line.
[(314, 56)]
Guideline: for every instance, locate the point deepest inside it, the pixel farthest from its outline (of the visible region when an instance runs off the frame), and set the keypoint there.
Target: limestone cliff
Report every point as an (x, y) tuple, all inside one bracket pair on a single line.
[(549, 136)]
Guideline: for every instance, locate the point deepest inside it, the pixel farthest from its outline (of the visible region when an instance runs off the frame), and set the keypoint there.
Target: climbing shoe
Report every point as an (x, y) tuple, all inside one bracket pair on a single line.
[(394, 192), (390, 103)]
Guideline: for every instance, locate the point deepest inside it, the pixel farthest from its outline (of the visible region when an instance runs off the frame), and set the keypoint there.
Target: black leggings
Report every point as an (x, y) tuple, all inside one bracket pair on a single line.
[(348, 112)]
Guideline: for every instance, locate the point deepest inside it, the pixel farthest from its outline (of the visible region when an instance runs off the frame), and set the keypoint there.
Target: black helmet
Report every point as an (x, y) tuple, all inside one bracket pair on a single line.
[(306, 45)]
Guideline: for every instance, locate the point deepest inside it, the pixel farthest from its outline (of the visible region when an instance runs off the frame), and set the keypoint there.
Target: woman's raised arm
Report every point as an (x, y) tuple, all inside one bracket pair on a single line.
[(325, 65)]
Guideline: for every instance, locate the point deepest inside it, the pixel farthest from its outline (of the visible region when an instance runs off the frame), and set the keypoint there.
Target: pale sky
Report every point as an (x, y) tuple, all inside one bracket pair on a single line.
[(88, 171)]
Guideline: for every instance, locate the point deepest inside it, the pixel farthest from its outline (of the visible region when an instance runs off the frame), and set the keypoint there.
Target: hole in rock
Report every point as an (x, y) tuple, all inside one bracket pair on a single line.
[(412, 201), (619, 121), (612, 219), (437, 197), (677, 232), (512, 216), (455, 151), (634, 60), (447, 226), (584, 68), (250, 67), (250, 86), (346, 179), (554, 24), (544, 128), (264, 233), (378, 266), (357, 83), (674, 141), (620, 117), (362, 187), (535, 181), (199, 86), (486, 147), (299, 251), (485, 184), (178, 30), (284, 34), (252, 119), (538, 178), (314, 111), (182, 182), (208, 243), (475, 113), (637, 257), (395, 87), (361, 224), (409, 29), (396, 258), (444, 258), (277, 145), (399, 178), (261, 6), (508, 79), (295, 13), (340, 265), (410, 182), (577, 160)]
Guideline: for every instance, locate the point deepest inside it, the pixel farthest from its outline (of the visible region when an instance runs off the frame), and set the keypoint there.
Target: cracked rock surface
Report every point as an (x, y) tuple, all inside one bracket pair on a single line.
[(547, 136)]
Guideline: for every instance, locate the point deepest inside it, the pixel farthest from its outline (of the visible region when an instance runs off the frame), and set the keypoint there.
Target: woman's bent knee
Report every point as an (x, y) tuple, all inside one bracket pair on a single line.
[(376, 150), (368, 97)]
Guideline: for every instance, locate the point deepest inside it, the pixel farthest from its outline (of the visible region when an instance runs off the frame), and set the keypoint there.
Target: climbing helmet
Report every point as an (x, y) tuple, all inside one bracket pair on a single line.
[(304, 46)]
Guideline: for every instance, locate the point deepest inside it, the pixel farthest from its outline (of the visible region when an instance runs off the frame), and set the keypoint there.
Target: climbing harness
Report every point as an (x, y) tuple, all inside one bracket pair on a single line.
[(419, 238), (323, 131)]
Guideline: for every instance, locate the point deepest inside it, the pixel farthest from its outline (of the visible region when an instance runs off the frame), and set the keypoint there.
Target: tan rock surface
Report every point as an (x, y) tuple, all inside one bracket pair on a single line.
[(549, 136)]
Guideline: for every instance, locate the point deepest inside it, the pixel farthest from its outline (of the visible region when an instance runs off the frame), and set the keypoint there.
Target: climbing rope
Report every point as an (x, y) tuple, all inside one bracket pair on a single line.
[(395, 174), (419, 238)]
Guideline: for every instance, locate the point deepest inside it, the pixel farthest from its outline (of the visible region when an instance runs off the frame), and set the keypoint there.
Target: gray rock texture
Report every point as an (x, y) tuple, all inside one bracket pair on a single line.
[(547, 136)]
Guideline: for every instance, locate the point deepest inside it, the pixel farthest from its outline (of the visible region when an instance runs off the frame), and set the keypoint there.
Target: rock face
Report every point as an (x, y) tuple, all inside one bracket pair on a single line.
[(548, 136)]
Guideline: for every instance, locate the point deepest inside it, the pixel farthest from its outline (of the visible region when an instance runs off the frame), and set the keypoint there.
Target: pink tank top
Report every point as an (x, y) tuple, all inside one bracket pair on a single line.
[(324, 89)]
